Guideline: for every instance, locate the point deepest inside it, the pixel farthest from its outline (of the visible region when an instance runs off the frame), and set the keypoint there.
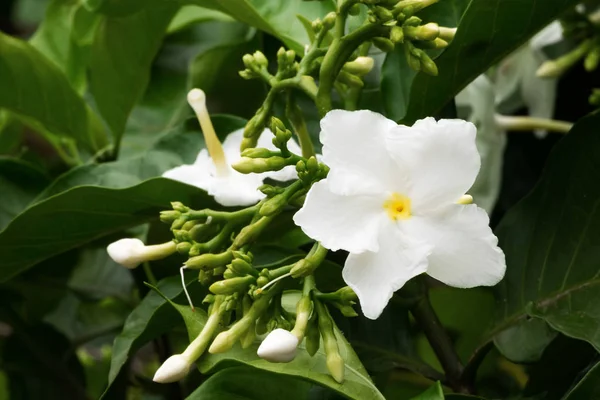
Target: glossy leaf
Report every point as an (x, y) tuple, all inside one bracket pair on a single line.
[(277, 18), (34, 88), (121, 57), (82, 214), (488, 31), (433, 393), (588, 387), (20, 183), (357, 384), (552, 244), (241, 383)]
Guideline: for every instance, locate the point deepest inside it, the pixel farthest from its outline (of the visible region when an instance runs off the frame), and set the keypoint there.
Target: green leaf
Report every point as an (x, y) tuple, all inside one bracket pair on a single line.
[(276, 17), (240, 383), (525, 341), (175, 147), (188, 15), (488, 31), (150, 319), (552, 244), (120, 60), (588, 387), (433, 393), (20, 183), (65, 36), (82, 214), (396, 76), (34, 88)]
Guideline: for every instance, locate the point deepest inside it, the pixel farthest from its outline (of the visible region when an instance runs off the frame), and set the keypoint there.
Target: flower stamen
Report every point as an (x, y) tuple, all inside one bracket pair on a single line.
[(197, 100), (397, 206)]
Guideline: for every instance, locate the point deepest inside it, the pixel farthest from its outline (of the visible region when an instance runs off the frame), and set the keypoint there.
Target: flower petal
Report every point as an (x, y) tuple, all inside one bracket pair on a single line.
[(375, 276), (341, 222), (195, 175), (236, 189), (354, 148), (440, 157), (465, 251)]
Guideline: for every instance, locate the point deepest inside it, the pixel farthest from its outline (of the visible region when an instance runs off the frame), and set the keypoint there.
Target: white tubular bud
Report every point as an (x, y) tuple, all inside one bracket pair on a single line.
[(278, 347), (173, 369), (132, 252)]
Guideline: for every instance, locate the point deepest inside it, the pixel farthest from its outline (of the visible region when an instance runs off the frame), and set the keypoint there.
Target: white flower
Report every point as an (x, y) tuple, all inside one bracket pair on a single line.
[(517, 83), (212, 169), (390, 201), (173, 369), (278, 347), (132, 252)]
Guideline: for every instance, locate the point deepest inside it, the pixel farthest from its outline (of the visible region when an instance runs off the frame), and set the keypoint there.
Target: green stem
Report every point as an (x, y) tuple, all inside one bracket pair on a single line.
[(294, 114), (149, 274), (236, 216), (199, 345), (511, 123), (439, 340)]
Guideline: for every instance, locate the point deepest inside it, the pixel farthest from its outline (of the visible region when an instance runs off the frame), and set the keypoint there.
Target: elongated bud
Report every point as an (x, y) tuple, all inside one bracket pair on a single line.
[(169, 216), (242, 267), (336, 366), (249, 233), (555, 68), (382, 14), (592, 59), (447, 34), (257, 153), (248, 165), (274, 205), (434, 44), (427, 64), (304, 310), (350, 80), (335, 363), (173, 369), (383, 44), (132, 252), (428, 31), (209, 260), (359, 66), (278, 347), (329, 20), (233, 285), (312, 337), (416, 5), (260, 59)]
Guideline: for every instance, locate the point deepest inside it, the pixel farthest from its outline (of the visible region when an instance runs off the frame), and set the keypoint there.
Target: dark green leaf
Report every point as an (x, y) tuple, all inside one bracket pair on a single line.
[(120, 60), (20, 183), (488, 31), (34, 88), (240, 383), (277, 18), (552, 244), (65, 36), (396, 76), (588, 387), (433, 393), (188, 15), (82, 214), (525, 341), (151, 318)]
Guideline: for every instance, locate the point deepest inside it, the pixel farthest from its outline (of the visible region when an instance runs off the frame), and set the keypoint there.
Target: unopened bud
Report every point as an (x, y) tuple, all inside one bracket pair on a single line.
[(278, 347), (249, 233), (350, 80), (428, 65), (382, 14), (434, 44), (416, 5), (242, 267), (230, 286), (270, 190), (428, 31), (260, 59), (592, 59), (173, 369), (257, 153), (383, 44), (132, 252), (248, 61), (209, 260), (257, 165), (359, 66), (397, 34), (184, 247), (336, 366), (447, 34), (274, 205), (329, 20), (169, 216)]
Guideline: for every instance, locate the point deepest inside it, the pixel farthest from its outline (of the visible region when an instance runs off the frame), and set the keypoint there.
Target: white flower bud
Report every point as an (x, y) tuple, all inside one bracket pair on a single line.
[(126, 252), (132, 252), (173, 369), (278, 347)]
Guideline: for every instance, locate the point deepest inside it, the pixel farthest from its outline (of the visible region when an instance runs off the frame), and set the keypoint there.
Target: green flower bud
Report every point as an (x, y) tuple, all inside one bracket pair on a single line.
[(184, 247), (274, 205), (412, 21), (447, 34), (350, 80), (229, 274), (428, 65), (242, 267), (414, 62), (329, 20), (209, 299), (270, 190), (317, 25), (243, 256), (382, 14), (209, 260), (262, 281), (397, 34), (257, 153), (181, 235), (359, 66), (257, 165), (354, 10), (434, 44), (312, 165), (249, 233), (247, 74), (169, 216), (248, 61), (346, 309), (428, 31), (179, 222), (592, 59), (417, 5), (312, 337), (290, 56), (178, 206), (229, 286), (383, 44), (205, 277), (260, 59), (335, 363)]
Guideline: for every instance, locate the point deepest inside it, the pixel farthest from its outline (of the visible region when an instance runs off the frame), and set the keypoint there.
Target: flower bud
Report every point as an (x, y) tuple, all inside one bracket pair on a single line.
[(132, 252), (169, 216), (397, 34), (383, 44), (248, 61), (233, 285), (329, 20), (360, 66), (428, 31), (447, 34), (278, 347), (257, 153), (209, 260), (274, 205), (416, 5), (592, 59), (249, 233), (242, 267), (184, 247), (173, 369), (382, 14), (260, 59), (336, 366), (428, 65), (434, 44), (248, 165)]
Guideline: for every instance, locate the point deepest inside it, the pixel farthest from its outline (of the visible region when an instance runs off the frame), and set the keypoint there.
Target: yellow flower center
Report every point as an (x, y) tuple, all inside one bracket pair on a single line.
[(397, 206)]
